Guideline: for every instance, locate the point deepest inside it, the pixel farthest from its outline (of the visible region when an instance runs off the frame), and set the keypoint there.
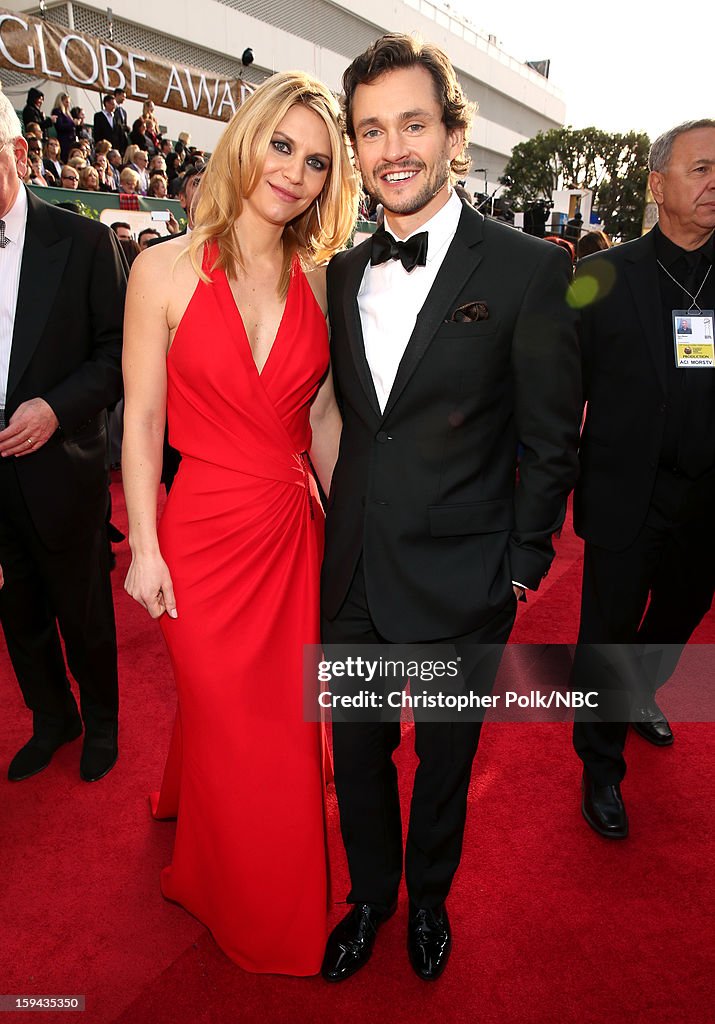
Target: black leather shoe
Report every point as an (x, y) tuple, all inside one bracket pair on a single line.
[(39, 750), (99, 753), (351, 942), (650, 723), (429, 941), (604, 810)]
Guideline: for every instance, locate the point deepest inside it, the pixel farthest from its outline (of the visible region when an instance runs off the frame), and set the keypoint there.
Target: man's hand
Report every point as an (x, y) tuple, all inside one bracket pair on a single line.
[(31, 425), (519, 593), (172, 225)]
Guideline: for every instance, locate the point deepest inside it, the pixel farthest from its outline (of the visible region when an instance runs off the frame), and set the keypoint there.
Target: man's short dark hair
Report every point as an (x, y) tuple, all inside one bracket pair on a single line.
[(119, 91), (120, 224), (395, 51), (108, 98), (147, 231)]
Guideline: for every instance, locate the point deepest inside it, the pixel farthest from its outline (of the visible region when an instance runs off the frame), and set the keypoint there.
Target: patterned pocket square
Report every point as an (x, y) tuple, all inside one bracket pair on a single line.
[(470, 313)]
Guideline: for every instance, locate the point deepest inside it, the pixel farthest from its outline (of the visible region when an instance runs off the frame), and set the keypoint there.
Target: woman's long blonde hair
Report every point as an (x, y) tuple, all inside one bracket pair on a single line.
[(236, 166)]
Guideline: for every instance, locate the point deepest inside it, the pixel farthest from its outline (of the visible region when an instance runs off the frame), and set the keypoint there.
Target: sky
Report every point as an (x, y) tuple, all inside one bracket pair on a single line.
[(619, 65)]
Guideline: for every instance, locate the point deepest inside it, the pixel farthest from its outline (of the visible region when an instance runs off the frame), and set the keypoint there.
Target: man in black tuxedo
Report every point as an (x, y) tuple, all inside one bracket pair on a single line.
[(449, 349), (645, 501), (120, 120), (62, 285), (107, 126)]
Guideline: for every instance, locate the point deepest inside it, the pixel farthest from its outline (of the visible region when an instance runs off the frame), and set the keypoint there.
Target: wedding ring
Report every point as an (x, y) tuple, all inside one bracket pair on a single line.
[(29, 442)]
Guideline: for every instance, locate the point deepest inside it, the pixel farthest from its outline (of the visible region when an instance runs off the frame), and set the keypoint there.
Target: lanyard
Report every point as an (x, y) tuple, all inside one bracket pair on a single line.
[(693, 298)]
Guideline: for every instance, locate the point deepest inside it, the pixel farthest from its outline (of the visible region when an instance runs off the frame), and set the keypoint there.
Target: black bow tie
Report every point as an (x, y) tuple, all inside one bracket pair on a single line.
[(411, 254)]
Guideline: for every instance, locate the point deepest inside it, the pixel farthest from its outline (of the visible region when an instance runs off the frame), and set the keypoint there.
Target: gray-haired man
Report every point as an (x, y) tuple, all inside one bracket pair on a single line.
[(645, 501)]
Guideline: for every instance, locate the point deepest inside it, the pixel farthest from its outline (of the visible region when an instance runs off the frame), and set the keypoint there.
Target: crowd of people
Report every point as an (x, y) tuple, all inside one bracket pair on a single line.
[(64, 152), (441, 426)]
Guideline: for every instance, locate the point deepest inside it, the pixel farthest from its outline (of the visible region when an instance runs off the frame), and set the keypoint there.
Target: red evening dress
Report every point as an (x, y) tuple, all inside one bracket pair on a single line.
[(242, 534)]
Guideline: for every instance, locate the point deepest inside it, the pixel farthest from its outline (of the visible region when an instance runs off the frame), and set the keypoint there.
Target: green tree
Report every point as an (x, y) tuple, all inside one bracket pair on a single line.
[(613, 166)]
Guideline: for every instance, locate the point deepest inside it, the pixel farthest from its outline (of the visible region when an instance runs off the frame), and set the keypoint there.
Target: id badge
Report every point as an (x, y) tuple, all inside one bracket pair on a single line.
[(693, 338)]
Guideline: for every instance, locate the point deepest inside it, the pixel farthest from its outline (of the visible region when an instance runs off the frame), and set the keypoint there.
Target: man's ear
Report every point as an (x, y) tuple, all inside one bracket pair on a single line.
[(20, 150), (656, 181), (456, 142)]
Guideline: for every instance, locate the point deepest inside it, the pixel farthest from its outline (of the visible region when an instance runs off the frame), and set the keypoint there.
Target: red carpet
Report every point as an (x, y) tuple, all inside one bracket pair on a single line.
[(551, 923)]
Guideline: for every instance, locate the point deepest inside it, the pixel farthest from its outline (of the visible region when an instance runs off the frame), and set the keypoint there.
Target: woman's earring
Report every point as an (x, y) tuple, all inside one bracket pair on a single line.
[(317, 214)]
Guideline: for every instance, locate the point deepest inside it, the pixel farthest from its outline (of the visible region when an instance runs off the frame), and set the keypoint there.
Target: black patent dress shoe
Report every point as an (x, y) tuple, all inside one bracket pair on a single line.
[(99, 753), (351, 942), (604, 810), (429, 941), (39, 750), (650, 723)]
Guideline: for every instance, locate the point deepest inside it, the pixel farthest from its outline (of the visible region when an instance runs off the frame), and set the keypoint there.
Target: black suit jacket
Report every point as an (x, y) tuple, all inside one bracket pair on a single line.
[(428, 490), (114, 133), (66, 348), (625, 385)]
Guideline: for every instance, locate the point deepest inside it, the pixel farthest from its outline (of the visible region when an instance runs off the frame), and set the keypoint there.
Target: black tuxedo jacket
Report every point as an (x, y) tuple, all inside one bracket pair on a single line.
[(428, 490), (66, 348), (625, 385), (114, 133)]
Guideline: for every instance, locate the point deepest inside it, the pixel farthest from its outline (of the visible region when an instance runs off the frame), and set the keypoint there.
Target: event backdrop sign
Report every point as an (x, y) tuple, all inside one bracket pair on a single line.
[(40, 48)]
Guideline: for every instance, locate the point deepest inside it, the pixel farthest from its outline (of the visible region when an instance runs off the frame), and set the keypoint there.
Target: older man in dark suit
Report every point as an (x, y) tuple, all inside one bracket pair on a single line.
[(645, 502), (451, 344), (62, 284)]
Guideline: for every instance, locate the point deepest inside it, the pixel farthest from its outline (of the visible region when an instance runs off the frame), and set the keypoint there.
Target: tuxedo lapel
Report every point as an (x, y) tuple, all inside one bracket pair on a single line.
[(459, 264), (44, 258), (642, 276), (353, 268)]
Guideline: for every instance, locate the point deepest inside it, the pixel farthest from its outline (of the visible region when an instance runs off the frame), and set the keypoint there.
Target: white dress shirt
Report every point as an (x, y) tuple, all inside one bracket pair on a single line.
[(10, 264), (390, 299)]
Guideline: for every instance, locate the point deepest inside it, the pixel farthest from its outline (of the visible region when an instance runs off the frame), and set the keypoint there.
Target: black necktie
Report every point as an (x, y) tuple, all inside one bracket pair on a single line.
[(411, 254), (3, 238)]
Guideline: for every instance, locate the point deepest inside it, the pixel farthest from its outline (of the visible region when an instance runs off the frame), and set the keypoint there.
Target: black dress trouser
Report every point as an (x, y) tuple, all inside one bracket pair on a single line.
[(655, 592), (366, 776), (44, 590)]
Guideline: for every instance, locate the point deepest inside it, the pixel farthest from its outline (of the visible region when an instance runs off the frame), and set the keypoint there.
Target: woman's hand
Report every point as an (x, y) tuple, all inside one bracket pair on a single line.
[(149, 582)]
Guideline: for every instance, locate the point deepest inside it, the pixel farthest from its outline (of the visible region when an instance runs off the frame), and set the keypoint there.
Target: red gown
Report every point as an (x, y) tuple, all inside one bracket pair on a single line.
[(242, 534)]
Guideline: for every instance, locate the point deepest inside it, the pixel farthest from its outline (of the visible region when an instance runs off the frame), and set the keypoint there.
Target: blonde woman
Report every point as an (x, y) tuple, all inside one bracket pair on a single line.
[(182, 143), (151, 123), (89, 179), (227, 327), (64, 123), (129, 182)]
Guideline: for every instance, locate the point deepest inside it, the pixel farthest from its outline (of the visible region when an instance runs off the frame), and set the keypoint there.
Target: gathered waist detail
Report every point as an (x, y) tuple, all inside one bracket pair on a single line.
[(295, 469)]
